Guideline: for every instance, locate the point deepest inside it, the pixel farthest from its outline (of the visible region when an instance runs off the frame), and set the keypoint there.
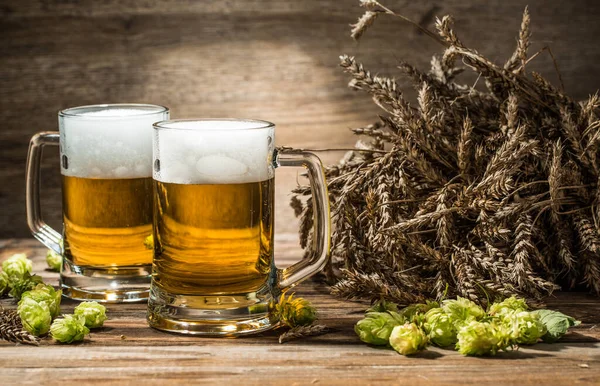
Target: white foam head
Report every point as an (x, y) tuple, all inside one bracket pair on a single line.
[(213, 151), (108, 141)]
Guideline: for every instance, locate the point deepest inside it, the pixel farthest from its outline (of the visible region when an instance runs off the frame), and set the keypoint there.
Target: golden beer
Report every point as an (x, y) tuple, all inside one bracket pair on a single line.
[(107, 220), (213, 239), (213, 271), (106, 168)]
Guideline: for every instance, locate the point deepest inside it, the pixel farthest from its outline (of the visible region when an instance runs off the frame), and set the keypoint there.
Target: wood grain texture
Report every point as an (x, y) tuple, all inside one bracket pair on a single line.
[(267, 59), (126, 351)]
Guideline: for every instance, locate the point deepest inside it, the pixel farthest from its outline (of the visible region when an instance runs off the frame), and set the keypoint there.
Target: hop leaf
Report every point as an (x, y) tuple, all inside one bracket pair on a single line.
[(54, 260), (415, 312), (507, 306), (382, 305), (481, 338), (94, 313), (16, 267), (26, 283), (556, 324), (462, 310), (440, 327), (408, 339), (295, 312), (376, 327), (3, 283), (45, 293), (524, 327), (36, 317), (69, 329)]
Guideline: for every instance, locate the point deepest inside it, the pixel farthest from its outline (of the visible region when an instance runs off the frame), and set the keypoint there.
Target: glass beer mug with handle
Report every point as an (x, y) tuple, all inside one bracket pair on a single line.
[(213, 268), (106, 168)]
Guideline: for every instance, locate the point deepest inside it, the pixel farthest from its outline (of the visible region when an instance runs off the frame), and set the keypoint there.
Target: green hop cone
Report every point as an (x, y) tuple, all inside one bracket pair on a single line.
[(507, 306), (26, 283), (3, 283), (524, 327), (408, 339), (149, 242), (556, 324), (376, 327), (462, 311), (69, 329), (294, 312), (439, 327), (481, 338), (54, 260), (47, 294), (36, 317), (16, 267), (94, 313)]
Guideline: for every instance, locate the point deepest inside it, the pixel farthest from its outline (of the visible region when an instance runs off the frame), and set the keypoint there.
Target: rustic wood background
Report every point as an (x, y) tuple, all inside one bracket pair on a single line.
[(128, 352), (268, 59)]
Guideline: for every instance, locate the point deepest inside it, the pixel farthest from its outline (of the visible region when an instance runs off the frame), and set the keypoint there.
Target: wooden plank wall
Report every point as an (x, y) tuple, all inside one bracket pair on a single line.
[(268, 59)]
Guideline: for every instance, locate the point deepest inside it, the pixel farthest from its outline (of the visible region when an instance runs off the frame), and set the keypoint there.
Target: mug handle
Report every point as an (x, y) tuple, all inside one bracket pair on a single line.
[(40, 230), (293, 275)]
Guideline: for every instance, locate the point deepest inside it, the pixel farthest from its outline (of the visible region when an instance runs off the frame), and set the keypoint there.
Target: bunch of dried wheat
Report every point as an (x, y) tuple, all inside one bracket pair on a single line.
[(472, 193)]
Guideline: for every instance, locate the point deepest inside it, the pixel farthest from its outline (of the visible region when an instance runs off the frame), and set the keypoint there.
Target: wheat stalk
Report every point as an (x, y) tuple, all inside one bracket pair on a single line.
[(303, 332), (11, 328)]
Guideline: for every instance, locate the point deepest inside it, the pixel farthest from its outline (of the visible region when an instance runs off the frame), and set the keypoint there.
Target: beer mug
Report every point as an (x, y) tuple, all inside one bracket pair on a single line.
[(106, 168), (213, 268)]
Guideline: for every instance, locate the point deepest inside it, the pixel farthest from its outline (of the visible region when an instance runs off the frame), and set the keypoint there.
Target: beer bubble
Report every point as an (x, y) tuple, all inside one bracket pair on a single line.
[(142, 169), (219, 167), (121, 171), (190, 160)]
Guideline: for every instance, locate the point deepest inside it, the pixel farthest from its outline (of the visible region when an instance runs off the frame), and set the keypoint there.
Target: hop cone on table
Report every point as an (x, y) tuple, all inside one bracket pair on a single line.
[(483, 191), (11, 328), (294, 312)]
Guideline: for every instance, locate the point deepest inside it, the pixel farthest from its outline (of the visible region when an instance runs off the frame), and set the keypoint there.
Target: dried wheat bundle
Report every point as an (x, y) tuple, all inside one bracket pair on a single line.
[(472, 193)]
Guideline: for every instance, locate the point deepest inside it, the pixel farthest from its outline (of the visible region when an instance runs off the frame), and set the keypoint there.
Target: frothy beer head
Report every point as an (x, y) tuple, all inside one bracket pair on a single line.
[(213, 151), (108, 141)]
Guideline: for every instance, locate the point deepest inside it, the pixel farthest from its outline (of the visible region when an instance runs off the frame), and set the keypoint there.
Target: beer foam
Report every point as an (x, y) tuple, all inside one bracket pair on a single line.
[(213, 152), (117, 112), (108, 141)]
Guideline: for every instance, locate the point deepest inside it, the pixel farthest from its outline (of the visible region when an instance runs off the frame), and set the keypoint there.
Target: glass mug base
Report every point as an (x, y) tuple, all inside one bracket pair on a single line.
[(213, 315), (106, 284)]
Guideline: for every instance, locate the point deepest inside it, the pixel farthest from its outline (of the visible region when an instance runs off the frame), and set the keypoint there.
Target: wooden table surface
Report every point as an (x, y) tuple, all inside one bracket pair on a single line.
[(126, 351)]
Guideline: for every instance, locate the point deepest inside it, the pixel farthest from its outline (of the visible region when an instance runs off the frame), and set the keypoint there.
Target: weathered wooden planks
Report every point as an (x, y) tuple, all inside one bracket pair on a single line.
[(126, 351), (272, 59)]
